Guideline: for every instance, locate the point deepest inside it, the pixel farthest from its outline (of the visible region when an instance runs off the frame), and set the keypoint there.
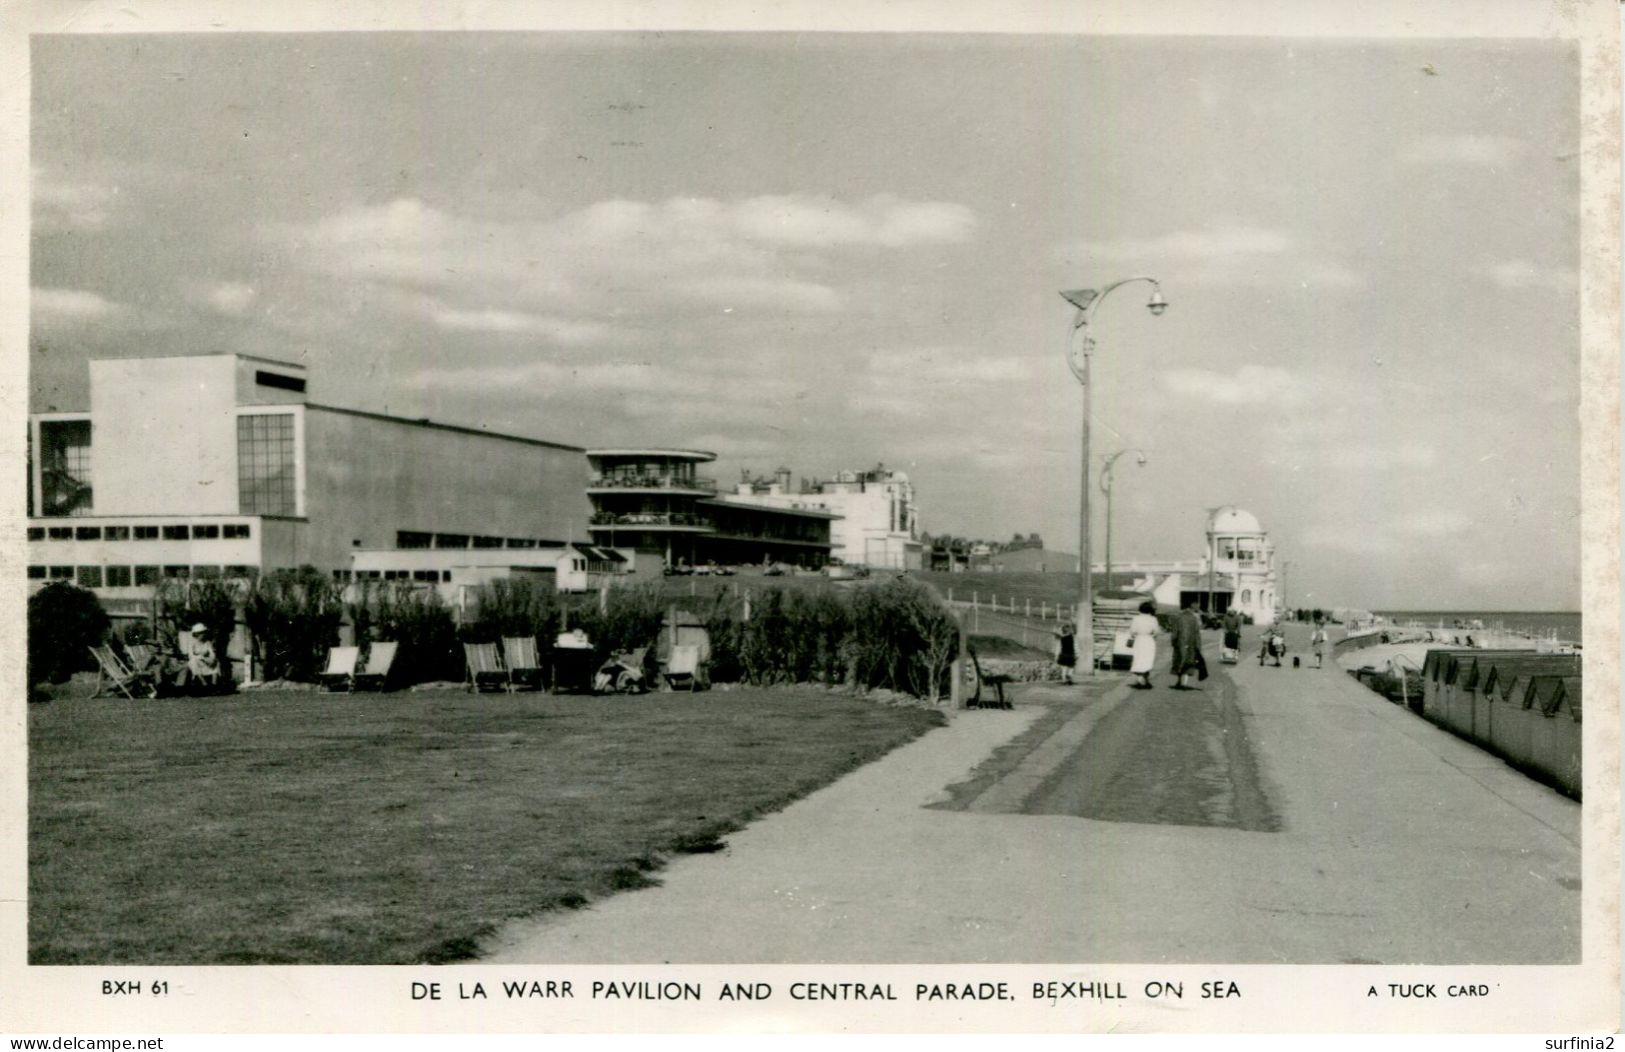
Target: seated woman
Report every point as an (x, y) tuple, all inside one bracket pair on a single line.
[(202, 663)]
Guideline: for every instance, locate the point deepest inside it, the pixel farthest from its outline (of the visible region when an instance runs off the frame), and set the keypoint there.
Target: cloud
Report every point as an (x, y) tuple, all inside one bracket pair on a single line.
[(231, 297), (520, 323), (822, 222), (622, 256), (60, 204), (749, 290), (1236, 254), (72, 305), (1485, 151), (1522, 274), (1223, 242), (1249, 385)]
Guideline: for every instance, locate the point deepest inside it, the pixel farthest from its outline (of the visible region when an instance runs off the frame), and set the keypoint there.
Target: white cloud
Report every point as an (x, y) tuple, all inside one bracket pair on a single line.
[(822, 222), (1522, 274), (626, 256), (65, 205), (520, 323), (1487, 151), (1223, 242), (750, 290), (72, 305), (1249, 385), (231, 297)]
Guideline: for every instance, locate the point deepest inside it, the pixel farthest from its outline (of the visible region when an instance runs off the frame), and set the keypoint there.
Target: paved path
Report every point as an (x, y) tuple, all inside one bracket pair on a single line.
[(1276, 815)]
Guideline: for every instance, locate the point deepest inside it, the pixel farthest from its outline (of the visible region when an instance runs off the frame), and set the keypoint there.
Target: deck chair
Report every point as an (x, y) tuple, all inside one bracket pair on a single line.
[(485, 668), (340, 672), (380, 656), (112, 672), (142, 657), (683, 667), (524, 667)]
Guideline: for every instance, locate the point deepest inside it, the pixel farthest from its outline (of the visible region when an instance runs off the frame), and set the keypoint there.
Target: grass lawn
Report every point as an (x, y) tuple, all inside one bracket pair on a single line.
[(377, 829)]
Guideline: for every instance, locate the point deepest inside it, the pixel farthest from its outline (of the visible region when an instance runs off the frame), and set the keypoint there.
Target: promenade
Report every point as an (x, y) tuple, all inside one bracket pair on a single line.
[(1276, 815)]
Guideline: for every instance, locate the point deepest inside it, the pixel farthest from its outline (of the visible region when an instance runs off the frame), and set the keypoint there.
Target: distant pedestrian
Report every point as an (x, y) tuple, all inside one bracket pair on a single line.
[(1143, 636), (1066, 653), (1318, 642), (1187, 647), (1232, 638)]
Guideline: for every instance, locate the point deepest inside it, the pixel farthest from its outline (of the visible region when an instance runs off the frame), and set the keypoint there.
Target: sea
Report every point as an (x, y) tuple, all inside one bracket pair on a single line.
[(1544, 624)]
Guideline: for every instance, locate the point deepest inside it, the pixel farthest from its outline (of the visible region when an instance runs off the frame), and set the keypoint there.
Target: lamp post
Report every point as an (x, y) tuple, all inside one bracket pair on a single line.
[(1106, 487), (1080, 344)]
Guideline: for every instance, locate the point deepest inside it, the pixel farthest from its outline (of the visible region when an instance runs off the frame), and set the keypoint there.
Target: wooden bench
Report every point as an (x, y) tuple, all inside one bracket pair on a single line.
[(996, 680)]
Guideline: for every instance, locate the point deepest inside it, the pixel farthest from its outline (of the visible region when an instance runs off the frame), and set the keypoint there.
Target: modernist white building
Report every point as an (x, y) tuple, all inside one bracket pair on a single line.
[(1238, 570), (220, 466), (878, 525)]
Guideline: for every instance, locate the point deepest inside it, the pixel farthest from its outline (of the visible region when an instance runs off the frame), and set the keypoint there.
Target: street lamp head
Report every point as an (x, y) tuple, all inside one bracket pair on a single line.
[(1080, 298), (1157, 304), (1140, 457)]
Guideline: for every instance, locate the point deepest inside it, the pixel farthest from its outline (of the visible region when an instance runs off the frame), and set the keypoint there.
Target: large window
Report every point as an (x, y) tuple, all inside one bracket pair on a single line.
[(65, 467), (266, 469)]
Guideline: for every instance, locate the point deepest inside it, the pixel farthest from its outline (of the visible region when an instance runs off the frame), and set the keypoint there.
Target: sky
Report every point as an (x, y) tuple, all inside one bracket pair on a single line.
[(823, 251)]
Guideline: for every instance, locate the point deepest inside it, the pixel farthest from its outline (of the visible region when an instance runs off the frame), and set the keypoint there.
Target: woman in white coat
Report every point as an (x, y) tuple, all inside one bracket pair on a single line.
[(1143, 635)]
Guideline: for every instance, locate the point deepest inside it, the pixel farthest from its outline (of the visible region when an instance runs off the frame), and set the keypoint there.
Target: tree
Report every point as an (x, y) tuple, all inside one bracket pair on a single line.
[(64, 622)]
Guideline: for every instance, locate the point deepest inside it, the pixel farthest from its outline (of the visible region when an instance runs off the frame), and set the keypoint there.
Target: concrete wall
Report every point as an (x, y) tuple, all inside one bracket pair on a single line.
[(368, 477), (164, 435)]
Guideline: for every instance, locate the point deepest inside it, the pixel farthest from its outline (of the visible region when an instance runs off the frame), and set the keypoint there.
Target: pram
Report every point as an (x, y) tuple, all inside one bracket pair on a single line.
[(621, 674), (1230, 653)]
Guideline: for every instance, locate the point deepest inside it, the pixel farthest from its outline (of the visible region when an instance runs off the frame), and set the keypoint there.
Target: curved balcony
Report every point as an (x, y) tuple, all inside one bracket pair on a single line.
[(650, 483), (604, 522)]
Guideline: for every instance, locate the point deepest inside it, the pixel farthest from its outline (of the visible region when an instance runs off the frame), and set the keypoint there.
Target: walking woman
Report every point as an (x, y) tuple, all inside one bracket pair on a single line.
[(1187, 647), (1143, 635), (1066, 653)]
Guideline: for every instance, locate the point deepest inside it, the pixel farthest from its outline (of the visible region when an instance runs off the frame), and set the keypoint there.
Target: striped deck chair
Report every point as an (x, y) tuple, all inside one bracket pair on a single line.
[(524, 667), (485, 668), (142, 657), (112, 672), (380, 656), (340, 672)]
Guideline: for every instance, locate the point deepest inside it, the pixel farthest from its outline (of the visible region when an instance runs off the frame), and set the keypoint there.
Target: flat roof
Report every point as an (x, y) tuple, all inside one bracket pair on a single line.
[(457, 428), (283, 362), (806, 513), (654, 451)]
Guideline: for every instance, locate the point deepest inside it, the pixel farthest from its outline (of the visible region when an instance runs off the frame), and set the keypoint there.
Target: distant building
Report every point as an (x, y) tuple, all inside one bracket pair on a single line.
[(220, 466), (878, 523), (655, 501), (1237, 570)]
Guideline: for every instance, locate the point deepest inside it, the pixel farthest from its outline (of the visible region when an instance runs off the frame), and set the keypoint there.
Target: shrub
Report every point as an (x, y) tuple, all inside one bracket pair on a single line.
[(64, 622), (415, 618), (514, 606), (293, 617)]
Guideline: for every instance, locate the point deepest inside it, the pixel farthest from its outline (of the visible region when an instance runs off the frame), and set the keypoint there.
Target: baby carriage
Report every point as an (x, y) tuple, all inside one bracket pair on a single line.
[(621, 674), (1231, 651)]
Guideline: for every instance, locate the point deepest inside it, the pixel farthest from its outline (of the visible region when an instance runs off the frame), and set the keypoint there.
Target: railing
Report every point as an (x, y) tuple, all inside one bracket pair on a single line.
[(604, 518), (652, 482)]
